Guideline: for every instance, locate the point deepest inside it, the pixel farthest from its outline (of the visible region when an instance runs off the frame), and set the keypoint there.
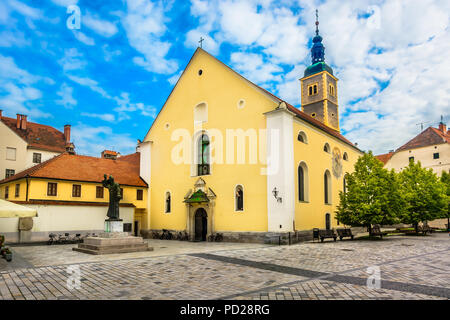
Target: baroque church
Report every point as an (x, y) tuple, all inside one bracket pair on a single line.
[(226, 156)]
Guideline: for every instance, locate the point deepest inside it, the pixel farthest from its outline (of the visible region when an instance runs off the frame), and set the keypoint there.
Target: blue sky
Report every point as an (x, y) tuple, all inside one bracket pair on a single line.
[(110, 78)]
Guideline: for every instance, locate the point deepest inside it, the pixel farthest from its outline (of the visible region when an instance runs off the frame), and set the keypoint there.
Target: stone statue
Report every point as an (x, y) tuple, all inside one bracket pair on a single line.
[(114, 197)]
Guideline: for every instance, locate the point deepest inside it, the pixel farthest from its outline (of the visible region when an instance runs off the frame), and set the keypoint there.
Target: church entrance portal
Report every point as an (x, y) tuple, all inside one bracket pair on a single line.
[(201, 224)]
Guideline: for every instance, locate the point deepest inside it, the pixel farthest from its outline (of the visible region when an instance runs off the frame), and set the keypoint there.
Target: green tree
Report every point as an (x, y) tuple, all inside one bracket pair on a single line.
[(372, 195), (425, 195), (445, 179)]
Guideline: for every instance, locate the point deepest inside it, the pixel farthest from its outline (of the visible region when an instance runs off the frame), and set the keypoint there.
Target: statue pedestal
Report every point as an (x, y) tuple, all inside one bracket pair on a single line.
[(113, 240), (113, 225)]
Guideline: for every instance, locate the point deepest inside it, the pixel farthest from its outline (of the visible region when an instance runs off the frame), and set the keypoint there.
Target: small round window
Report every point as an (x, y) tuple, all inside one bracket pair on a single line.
[(241, 104), (313, 115), (200, 72)]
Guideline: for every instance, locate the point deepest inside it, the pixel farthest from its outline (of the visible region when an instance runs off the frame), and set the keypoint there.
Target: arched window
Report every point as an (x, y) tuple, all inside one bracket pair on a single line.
[(327, 187), (239, 198), (201, 113), (344, 183), (328, 221), (302, 137), (310, 91), (315, 89), (326, 148), (345, 156), (303, 185), (203, 155), (168, 202)]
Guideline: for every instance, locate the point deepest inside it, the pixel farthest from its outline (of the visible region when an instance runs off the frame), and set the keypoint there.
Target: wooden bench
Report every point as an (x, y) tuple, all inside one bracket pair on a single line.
[(425, 229), (376, 231), (342, 233), (323, 234)]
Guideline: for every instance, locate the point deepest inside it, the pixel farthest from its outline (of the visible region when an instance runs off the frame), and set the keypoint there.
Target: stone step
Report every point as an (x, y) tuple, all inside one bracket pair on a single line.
[(113, 250), (110, 247)]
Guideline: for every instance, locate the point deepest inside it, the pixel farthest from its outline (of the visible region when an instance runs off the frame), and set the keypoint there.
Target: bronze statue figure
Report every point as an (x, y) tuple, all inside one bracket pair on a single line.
[(114, 197)]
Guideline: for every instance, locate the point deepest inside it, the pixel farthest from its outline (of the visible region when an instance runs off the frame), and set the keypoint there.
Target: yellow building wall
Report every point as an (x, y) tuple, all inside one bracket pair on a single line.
[(221, 89), (38, 191), (311, 214), (12, 190)]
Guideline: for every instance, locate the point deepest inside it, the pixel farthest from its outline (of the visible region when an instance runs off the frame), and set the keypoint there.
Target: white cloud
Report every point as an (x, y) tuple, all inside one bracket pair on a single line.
[(390, 57), (241, 23), (25, 10), (92, 84), (254, 68), (109, 54), (66, 93), (102, 27), (104, 116), (125, 105), (93, 140), (72, 60), (13, 39), (144, 24), (174, 79), (80, 36), (64, 3), (16, 89)]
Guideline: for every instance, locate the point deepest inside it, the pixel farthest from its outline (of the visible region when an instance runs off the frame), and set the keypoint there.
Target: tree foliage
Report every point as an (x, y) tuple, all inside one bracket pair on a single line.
[(424, 193), (372, 195), (445, 179)]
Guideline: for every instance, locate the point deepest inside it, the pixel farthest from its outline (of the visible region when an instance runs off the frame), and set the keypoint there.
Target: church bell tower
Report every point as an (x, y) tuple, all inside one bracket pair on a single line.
[(319, 86)]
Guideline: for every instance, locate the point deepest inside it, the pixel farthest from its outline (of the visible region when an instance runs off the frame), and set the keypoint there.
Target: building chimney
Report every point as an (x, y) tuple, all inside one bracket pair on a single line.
[(67, 133), (18, 121), (1, 114), (108, 154), (70, 148), (23, 122), (442, 127)]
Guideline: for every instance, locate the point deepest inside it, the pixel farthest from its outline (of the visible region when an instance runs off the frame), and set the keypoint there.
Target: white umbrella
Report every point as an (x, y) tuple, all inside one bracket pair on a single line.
[(12, 210)]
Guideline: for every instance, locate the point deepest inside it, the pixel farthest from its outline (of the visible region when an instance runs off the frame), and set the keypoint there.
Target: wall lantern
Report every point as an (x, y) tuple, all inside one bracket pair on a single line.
[(275, 193)]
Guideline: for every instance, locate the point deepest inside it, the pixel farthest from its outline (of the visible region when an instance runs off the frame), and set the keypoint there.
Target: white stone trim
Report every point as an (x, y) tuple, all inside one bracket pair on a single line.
[(280, 170)]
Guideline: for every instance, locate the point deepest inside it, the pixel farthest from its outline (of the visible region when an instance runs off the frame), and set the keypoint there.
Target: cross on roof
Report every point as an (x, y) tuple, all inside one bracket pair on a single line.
[(201, 41)]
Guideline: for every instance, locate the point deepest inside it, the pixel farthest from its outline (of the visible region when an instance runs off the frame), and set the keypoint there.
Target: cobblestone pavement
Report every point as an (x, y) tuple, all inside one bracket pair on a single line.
[(410, 268)]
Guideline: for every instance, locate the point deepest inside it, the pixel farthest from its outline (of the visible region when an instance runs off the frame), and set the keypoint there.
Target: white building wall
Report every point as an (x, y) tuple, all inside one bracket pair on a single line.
[(400, 160), (9, 138), (45, 155), (280, 170), (60, 219)]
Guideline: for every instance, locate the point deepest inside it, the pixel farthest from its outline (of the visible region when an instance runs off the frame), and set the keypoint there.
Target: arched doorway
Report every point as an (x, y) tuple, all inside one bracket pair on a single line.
[(201, 224)]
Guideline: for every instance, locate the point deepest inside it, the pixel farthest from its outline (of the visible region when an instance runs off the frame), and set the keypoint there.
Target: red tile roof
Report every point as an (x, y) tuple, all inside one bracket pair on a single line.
[(85, 168), (385, 157), (38, 136), (428, 137)]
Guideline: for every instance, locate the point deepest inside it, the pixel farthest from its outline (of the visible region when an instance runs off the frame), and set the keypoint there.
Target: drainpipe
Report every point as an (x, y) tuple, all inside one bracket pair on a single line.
[(27, 188)]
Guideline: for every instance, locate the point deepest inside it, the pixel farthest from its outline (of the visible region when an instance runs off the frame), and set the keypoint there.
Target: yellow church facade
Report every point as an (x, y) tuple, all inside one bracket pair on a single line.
[(226, 156)]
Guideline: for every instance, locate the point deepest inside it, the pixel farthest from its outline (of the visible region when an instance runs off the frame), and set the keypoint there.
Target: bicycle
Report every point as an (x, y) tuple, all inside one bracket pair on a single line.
[(166, 235), (219, 237)]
